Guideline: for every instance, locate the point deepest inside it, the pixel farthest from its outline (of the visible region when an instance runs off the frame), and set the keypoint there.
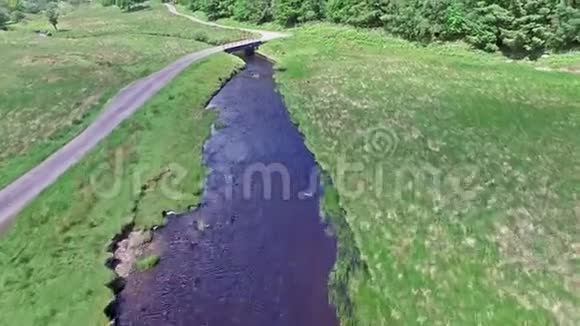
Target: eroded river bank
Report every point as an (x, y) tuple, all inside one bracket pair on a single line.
[(256, 251)]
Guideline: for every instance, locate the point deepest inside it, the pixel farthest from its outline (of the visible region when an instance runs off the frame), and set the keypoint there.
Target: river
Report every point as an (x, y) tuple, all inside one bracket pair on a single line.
[(253, 253)]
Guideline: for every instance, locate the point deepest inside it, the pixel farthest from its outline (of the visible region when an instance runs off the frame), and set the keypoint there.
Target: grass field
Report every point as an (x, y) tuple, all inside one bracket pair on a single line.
[(52, 260), (458, 172), (52, 87)]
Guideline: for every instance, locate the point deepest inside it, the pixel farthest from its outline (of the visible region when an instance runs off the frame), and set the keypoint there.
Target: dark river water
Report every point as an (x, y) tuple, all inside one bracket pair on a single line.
[(261, 256)]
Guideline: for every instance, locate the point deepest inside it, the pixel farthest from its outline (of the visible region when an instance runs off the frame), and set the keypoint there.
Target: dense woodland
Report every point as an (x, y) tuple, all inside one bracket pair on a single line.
[(517, 26)]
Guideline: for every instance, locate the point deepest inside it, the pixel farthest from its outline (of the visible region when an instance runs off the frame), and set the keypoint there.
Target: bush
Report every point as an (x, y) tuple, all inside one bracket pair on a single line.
[(16, 16)]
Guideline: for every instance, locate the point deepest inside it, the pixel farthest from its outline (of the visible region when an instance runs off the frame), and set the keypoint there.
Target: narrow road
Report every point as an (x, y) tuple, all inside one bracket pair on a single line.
[(19, 193), (265, 35)]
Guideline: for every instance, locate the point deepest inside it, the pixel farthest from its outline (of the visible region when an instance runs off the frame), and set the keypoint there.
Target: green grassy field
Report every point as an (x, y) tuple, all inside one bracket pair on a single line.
[(464, 207), (458, 173), (52, 260), (52, 87)]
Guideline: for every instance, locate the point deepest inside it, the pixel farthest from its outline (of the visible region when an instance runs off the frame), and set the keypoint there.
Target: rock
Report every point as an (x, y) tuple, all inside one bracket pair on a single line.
[(129, 249), (137, 239), (168, 213)]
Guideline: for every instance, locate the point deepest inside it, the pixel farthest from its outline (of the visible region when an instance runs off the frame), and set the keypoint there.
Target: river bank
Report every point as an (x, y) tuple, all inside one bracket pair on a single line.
[(256, 251), (457, 172), (52, 258)]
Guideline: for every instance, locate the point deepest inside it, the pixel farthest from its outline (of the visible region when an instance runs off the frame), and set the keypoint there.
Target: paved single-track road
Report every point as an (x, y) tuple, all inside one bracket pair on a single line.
[(19, 193)]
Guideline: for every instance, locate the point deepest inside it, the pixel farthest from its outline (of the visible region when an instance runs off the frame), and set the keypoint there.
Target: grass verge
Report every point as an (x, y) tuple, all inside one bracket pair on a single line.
[(349, 264), (51, 88), (147, 262), (457, 172), (51, 260)]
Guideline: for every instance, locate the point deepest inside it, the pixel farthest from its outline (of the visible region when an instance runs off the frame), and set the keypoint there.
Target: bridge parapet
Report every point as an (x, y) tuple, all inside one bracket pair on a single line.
[(249, 46)]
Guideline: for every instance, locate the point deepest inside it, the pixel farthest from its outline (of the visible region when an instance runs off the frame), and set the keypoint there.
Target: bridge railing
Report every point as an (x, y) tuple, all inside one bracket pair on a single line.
[(241, 44)]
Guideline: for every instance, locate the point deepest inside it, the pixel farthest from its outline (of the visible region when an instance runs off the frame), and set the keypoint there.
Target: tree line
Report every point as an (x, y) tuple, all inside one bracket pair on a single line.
[(526, 27), (126, 5), (13, 11), (517, 26)]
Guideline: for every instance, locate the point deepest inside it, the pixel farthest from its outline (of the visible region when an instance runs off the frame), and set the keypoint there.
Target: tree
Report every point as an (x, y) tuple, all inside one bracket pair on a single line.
[(291, 12), (52, 14), (365, 13), (214, 9), (257, 11), (567, 25), (518, 27), (127, 5), (34, 6), (4, 17), (123, 4), (14, 4)]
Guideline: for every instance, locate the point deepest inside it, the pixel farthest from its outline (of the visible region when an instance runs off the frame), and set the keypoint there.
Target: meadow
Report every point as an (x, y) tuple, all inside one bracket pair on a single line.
[(456, 173), (52, 87), (52, 259)]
